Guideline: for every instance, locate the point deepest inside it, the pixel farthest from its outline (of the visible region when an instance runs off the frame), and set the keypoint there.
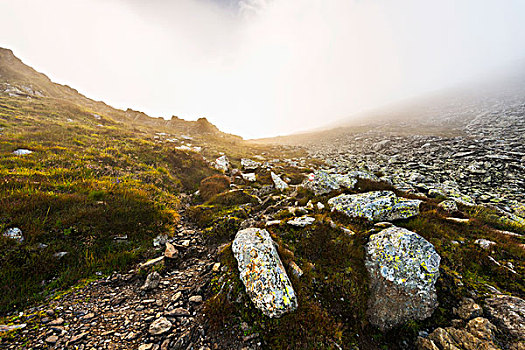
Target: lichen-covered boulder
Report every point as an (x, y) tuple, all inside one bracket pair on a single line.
[(375, 206), (403, 268), (321, 182), (278, 182), (263, 273)]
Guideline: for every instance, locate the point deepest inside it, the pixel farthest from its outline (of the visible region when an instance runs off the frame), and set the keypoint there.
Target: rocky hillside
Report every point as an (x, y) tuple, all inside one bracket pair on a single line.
[(121, 231)]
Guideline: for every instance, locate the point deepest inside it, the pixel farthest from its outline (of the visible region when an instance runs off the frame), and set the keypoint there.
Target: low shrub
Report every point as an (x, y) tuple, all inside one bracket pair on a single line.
[(213, 185)]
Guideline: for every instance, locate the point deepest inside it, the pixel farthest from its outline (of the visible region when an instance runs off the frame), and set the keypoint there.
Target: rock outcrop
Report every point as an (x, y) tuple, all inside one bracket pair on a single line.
[(375, 206), (403, 268), (263, 273)]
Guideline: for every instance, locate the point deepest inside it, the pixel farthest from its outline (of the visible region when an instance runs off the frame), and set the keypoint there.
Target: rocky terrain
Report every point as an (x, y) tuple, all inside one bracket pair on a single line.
[(128, 232)]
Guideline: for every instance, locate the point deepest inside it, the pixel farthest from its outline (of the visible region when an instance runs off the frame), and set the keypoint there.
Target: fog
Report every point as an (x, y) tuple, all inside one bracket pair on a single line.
[(261, 68)]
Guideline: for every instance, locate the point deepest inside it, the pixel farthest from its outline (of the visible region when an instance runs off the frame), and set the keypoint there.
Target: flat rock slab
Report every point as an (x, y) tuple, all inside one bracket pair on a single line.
[(375, 206), (263, 273)]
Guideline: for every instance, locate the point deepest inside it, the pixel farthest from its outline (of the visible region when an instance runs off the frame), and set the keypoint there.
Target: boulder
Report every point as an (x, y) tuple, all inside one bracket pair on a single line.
[(222, 164), (279, 184), (321, 182), (403, 268), (375, 206), (248, 164), (263, 273)]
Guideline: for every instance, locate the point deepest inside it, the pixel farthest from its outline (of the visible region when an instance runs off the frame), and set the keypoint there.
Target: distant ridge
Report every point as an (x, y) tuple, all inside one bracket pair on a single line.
[(18, 79)]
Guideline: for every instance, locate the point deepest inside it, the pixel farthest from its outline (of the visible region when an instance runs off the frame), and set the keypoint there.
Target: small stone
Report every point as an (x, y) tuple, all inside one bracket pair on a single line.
[(170, 252), (301, 222), (484, 243), (58, 322), (468, 309), (14, 233), (146, 347), (52, 339), (216, 267), (78, 337), (178, 312), (458, 220), (160, 326), (296, 270), (195, 299), (176, 296), (22, 152), (152, 281)]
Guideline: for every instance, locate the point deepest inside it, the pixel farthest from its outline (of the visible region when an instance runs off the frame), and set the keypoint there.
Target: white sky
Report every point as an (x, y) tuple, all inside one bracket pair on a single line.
[(261, 67)]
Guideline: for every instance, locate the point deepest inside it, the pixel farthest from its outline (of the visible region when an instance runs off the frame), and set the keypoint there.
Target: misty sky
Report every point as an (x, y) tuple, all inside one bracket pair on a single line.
[(262, 67)]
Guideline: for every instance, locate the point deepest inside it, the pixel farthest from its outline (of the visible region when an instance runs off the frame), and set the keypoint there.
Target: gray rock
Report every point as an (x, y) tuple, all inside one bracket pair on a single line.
[(322, 182), (448, 205), (60, 254), (249, 177), (248, 164), (263, 273), (301, 222), (222, 164), (152, 281), (375, 206), (22, 152), (14, 233), (279, 184), (484, 243), (403, 268)]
